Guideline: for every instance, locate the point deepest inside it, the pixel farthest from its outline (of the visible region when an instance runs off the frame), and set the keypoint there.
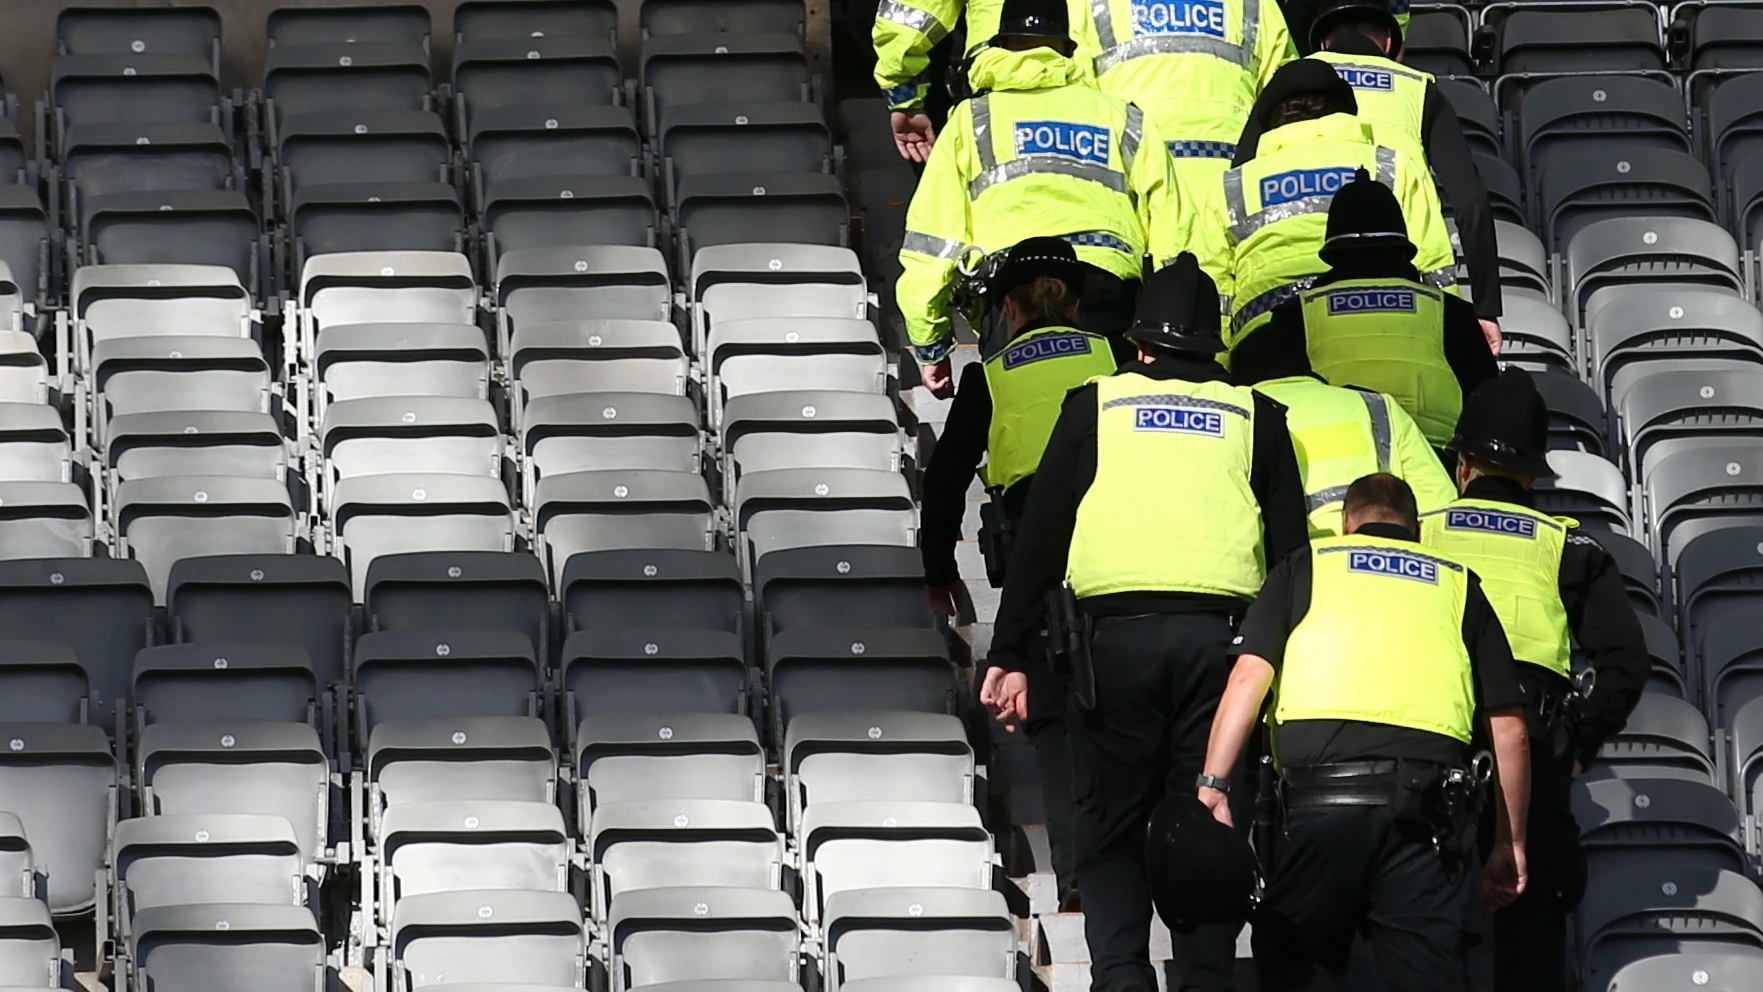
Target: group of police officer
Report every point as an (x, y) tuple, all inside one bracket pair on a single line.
[(1253, 596)]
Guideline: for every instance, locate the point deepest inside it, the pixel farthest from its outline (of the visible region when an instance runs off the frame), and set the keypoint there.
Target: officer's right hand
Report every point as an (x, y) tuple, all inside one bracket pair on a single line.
[(938, 378), (1505, 877), (1005, 694), (1219, 804), (913, 134), (1490, 329)]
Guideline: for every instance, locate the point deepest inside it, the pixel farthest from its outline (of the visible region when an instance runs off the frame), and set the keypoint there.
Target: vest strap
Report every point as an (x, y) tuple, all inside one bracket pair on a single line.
[(1172, 399), (981, 109), (1379, 412), (1251, 27), (1131, 136), (907, 16)]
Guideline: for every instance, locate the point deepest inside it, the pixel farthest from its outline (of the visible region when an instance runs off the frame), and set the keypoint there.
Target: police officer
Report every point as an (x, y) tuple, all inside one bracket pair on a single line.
[(1302, 15), (1387, 661), (1037, 154), (1272, 208), (1004, 411), (1370, 321), (1552, 587), (1340, 433), (1162, 492)]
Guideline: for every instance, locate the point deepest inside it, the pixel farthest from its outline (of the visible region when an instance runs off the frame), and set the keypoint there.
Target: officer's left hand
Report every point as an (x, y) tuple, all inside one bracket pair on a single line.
[(1005, 694), (1219, 804), (1490, 329)]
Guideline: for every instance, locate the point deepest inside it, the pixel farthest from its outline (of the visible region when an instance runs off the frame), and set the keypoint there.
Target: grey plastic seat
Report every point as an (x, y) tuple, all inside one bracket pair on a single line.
[(160, 520), (1587, 488), (690, 933), (1702, 488), (1586, 186), (1472, 104), (142, 88), (598, 282), (852, 846), (513, 72), (660, 843), (766, 279), (799, 508), (726, 208), (102, 608), (1680, 325), (59, 779), (459, 758), (475, 20), (24, 374), (178, 227), (18, 865), (598, 356), (1544, 41), (34, 445), (845, 670), (337, 77), (1727, 969), (237, 766), (886, 932), (451, 846), (393, 514), (670, 17), (196, 442), (1665, 737), (1730, 667), (298, 599), (192, 682), (706, 67), (101, 160), (1665, 911), (578, 432), (357, 361), (116, 30), (392, 146), (487, 590), (378, 287), (761, 355), (621, 510), (122, 301), (1640, 573), (204, 858), (1534, 330), (644, 756), (1745, 732), (1611, 114), (839, 586), (807, 429), (220, 946), (12, 305), (488, 936), (42, 681), (30, 951), (743, 136), (24, 240), (1670, 674), (350, 24), (167, 374), (930, 983), (660, 669), (1668, 411), (1717, 575), (376, 216), (609, 590), (525, 142), (44, 520), (876, 755), (1577, 421), (558, 212), (1634, 823), (427, 674), (1665, 252)]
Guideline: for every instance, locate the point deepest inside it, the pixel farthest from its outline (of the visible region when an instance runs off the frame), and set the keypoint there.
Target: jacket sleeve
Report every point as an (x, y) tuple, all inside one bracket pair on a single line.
[(952, 465), (1449, 156), (1412, 458), (938, 230), (1273, 44), (1165, 210), (1208, 236), (905, 31), (1606, 629), (1277, 482), (1436, 258)]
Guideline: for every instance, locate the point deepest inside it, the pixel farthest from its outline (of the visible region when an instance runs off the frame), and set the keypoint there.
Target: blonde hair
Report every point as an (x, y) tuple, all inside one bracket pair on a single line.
[(1047, 299)]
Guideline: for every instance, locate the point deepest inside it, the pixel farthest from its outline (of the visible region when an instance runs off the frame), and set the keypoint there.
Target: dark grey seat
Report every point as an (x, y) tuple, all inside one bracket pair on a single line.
[(479, 20), (194, 227), (1715, 966), (138, 30), (1437, 41), (1620, 38), (130, 88), (1629, 824), (819, 670), (403, 675), (1609, 114), (747, 137), (654, 670), (335, 77), (1576, 416), (657, 588), (547, 71), (807, 208), (103, 159), (1665, 911), (1732, 121), (460, 589), (376, 217), (391, 146), (25, 240), (1718, 577), (277, 599), (227, 766), (13, 157), (182, 682), (1616, 258), (58, 778), (526, 142), (831, 587), (1665, 738), (1506, 197), (42, 682), (1581, 187), (391, 23), (101, 607), (1731, 667), (708, 67), (1670, 674), (1691, 323), (567, 211), (1703, 488), (1640, 573), (665, 17)]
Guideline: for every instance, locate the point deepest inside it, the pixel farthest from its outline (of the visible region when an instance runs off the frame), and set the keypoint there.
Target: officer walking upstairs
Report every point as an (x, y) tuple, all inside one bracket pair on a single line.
[(1340, 433), (1552, 587), (1385, 662), (1370, 321), (1004, 411), (1162, 493), (1036, 153)]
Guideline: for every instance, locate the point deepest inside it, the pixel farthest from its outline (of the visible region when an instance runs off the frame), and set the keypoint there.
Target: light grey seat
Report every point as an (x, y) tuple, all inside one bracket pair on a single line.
[(380, 436), (881, 933), (196, 442), (18, 866), (803, 508), (1636, 823), (30, 951), (459, 758), (869, 845), (44, 520), (1727, 969), (597, 356), (612, 431), (394, 514), (488, 936), (616, 511), (453, 846), (375, 287), (760, 279), (1650, 250), (162, 520), (221, 946), (60, 780), (225, 767), (623, 757), (593, 282), (690, 933), (24, 372), (1701, 488), (363, 361), (12, 306), (1670, 411), (1632, 915), (162, 374), (1588, 488), (1534, 330), (809, 429), (1665, 738), (762, 355), (34, 445), (1676, 323), (930, 983), (880, 755), (122, 301), (1523, 260), (659, 843), (204, 858)]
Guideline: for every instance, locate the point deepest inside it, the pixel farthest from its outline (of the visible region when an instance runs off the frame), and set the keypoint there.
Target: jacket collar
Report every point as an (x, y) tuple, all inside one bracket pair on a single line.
[(1167, 368), (1394, 532), (1497, 489), (1036, 69)]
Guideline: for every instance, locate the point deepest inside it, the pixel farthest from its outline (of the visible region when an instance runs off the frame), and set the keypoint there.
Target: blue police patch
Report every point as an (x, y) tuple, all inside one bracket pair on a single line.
[(1395, 564), (1048, 346), (1491, 521), (1178, 17), (1300, 183), (1183, 419), (1364, 77), (1373, 299), (1083, 142)]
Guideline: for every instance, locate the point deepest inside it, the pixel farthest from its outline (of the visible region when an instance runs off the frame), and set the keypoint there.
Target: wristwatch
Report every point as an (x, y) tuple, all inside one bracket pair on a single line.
[(1212, 782)]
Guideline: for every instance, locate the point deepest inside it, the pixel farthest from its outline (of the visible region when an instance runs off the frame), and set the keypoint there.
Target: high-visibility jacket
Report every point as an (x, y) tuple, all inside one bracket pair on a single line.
[(1028, 381), (1037, 155), (1382, 641), (1391, 96), (1186, 449), (1516, 552), (1387, 335), (1273, 211), (905, 31), (1341, 435)]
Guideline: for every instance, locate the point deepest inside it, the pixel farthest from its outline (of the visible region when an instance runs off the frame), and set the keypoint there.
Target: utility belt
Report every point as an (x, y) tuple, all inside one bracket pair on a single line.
[(1070, 634), (997, 535), (1559, 709), (1444, 801)]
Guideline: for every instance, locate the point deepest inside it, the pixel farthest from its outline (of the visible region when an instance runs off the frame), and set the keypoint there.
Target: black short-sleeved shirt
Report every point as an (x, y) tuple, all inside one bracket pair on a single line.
[(1284, 600)]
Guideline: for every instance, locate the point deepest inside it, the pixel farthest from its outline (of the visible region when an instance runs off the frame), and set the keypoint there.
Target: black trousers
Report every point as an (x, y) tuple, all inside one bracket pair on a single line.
[(1045, 726), (1342, 870), (1158, 682)]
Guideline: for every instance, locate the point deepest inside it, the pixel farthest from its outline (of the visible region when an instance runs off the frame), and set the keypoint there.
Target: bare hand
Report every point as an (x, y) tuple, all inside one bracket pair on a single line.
[(1505, 876), (944, 599), (1218, 803), (1005, 694), (938, 378), (1490, 329), (913, 134)]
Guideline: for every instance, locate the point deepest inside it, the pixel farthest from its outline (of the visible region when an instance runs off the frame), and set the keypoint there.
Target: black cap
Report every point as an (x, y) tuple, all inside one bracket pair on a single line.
[(1335, 11), (1034, 19), (1029, 260), (1303, 77), (1178, 310), (1200, 871), (1365, 215), (1506, 423)]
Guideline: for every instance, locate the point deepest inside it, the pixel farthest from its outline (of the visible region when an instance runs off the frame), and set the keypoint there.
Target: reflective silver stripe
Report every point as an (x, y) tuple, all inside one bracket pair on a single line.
[(1233, 198), (922, 21), (1380, 427), (1101, 13), (1176, 399), (1168, 44), (1316, 204), (930, 244), (1386, 166), (1251, 24), (981, 109), (1029, 165), (1129, 141), (1318, 500)]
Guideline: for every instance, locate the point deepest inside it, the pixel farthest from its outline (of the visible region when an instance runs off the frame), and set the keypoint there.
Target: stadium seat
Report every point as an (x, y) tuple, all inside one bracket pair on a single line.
[(1535, 334), (1730, 124), (710, 934), (551, 212), (671, 17), (375, 515), (119, 301), (600, 282), (275, 599), (330, 76), (102, 160), (1671, 411), (461, 589), (477, 20), (1588, 488), (709, 67), (44, 520), (805, 208), (160, 520), (1524, 262), (204, 858), (443, 672), (189, 227), (805, 429), (580, 432), (839, 586), (195, 442), (802, 508), (1576, 415), (1665, 738), (375, 361), (34, 445), (59, 779), (375, 216), (1699, 489), (651, 588), (835, 670), (745, 137), (528, 142), (1670, 673), (377, 287), (625, 756), (762, 355), (1613, 115), (848, 847), (130, 88), (391, 146), (558, 358), (1628, 256), (636, 669), (237, 766), (1637, 824), (1506, 198), (1629, 917), (1731, 967), (458, 758), (891, 755), (1579, 37), (30, 950), (42, 681), (24, 373), (759, 279), (138, 30), (621, 510), (1582, 187), (532, 72), (1732, 671), (898, 930), (434, 847), (488, 935), (101, 607), (1668, 329), (184, 682), (177, 374), (1437, 41), (18, 867), (661, 843), (213, 947), (1640, 573)]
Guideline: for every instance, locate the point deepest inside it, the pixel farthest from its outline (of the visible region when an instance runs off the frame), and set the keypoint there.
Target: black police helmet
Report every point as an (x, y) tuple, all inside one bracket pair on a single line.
[(1364, 215), (1178, 310), (1333, 12), (1034, 19), (1304, 77), (1506, 423), (1035, 257), (1200, 871)]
